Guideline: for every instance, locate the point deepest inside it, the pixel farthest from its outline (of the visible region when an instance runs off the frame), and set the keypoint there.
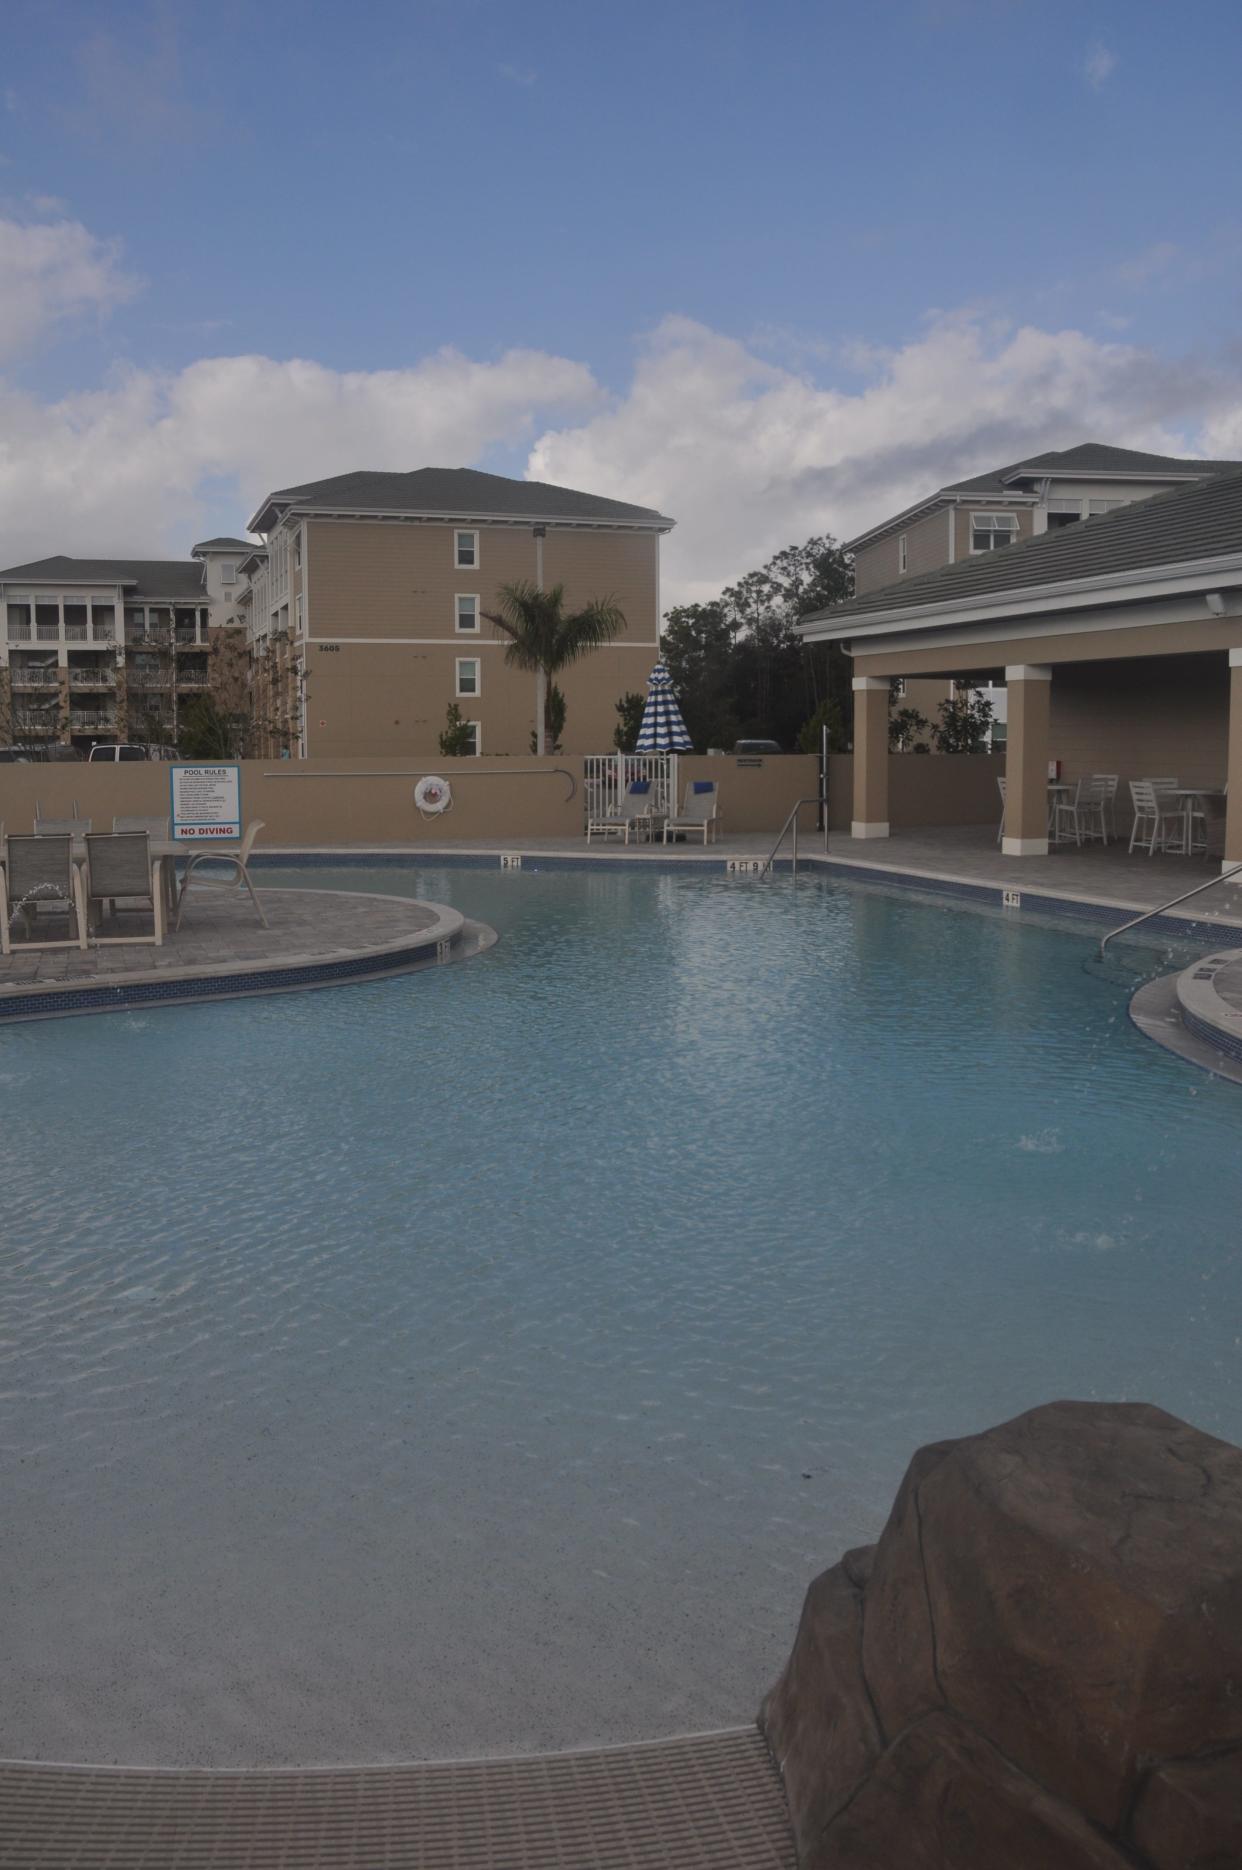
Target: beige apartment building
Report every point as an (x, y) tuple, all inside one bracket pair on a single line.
[(99, 651), (365, 610), (985, 512)]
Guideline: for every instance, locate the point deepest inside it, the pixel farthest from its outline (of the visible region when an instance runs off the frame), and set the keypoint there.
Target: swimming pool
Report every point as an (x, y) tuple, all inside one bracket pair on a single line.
[(487, 1359)]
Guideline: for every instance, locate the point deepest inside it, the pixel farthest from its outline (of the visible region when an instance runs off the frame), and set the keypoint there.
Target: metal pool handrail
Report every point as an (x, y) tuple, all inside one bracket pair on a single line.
[(1149, 913), (813, 798)]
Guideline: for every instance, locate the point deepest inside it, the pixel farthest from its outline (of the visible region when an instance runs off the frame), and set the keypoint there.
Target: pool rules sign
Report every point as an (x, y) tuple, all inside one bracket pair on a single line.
[(206, 803)]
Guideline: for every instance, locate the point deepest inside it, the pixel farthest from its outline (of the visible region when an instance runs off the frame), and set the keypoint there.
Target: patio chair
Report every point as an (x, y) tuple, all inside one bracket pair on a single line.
[(156, 828), (241, 880), (1081, 817), (61, 827), (40, 875), (1108, 783), (1000, 829), (1159, 822), (698, 811), (634, 813), (120, 868)]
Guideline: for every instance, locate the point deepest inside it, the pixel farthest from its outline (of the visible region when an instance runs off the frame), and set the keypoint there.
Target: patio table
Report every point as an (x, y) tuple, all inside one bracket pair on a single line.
[(1187, 796)]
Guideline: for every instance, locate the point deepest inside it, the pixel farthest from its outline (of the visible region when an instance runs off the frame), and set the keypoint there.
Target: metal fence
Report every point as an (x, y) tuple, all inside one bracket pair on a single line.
[(606, 776)]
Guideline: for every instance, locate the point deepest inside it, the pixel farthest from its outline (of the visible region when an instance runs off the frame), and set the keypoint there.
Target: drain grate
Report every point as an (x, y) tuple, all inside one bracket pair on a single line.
[(712, 1799)]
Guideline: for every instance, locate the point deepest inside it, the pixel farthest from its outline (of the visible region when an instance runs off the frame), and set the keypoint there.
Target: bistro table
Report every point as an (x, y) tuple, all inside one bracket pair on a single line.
[(1188, 797)]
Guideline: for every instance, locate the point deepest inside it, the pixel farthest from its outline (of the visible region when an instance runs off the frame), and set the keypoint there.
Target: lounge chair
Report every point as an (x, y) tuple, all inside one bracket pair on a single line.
[(40, 874), (61, 827), (120, 868), (238, 858), (634, 814), (154, 827), (698, 811)]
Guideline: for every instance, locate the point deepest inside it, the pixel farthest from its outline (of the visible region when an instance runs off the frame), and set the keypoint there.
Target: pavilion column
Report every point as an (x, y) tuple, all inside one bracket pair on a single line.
[(1026, 760), (870, 757), (1233, 804)]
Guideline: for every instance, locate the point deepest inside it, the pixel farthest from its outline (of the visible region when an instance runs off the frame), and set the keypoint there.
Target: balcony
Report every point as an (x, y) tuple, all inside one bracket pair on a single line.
[(19, 633), (29, 723), (187, 639), (47, 633), (87, 720), (74, 633), (193, 678), (149, 678), (92, 678), (39, 676)]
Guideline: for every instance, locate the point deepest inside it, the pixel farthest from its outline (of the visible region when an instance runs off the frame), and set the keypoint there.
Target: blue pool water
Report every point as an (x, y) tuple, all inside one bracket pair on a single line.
[(487, 1359)]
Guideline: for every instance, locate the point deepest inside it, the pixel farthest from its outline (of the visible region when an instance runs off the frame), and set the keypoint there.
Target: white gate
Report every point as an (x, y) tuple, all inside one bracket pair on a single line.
[(607, 775)]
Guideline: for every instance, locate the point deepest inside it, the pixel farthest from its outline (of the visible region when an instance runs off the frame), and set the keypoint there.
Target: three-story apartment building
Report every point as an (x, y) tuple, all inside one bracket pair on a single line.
[(96, 651), (366, 609)]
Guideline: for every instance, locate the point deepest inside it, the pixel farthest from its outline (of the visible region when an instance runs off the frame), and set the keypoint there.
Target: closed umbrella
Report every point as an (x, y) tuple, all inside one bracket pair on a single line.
[(663, 730)]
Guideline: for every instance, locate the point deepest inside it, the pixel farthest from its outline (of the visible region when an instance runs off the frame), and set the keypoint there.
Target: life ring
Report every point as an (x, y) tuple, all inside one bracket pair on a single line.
[(433, 795)]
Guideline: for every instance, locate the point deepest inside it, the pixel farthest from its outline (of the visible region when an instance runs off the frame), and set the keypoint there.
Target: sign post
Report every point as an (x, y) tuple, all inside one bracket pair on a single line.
[(206, 803)]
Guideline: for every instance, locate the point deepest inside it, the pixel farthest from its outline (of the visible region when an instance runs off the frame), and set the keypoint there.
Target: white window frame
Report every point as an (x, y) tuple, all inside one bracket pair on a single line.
[(902, 555), (458, 536), (459, 628), (476, 663), (228, 571), (1009, 525), (477, 749)]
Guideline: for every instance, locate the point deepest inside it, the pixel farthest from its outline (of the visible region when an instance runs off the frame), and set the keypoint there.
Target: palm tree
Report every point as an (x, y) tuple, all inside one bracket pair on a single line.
[(543, 639)]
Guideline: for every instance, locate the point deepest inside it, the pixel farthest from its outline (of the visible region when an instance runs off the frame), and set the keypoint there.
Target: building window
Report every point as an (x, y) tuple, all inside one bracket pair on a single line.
[(468, 614), (989, 531), (468, 676), (1105, 506), (1063, 513), (902, 560), (228, 571), (474, 744), (467, 550), (297, 614)]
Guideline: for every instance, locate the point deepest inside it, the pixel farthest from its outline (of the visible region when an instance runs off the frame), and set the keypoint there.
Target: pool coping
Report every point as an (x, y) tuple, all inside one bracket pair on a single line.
[(449, 937)]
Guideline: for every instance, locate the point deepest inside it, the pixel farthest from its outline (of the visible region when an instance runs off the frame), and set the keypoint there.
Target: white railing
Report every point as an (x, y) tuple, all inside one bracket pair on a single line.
[(606, 776)]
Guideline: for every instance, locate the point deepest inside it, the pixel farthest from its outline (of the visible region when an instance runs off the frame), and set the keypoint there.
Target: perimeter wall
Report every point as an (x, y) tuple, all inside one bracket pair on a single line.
[(312, 802)]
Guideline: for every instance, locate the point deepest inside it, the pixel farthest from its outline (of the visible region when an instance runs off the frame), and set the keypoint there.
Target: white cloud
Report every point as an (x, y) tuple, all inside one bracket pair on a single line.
[(748, 457), (53, 271), (1098, 65)]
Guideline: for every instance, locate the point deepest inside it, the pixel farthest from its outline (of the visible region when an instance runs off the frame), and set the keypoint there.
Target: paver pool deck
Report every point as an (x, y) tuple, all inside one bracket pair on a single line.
[(314, 938)]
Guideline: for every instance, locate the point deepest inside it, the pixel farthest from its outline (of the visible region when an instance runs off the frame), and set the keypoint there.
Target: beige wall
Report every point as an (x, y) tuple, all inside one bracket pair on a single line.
[(923, 789), (399, 584), (309, 802), (1156, 639), (1121, 718)]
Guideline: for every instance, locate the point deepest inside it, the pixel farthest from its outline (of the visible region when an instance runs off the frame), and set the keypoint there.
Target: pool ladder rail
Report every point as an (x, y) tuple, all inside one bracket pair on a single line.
[(1233, 871), (813, 798)]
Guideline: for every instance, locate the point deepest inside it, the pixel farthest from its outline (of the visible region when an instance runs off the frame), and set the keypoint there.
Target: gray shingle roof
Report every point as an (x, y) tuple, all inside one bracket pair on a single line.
[(1087, 458), (176, 578), (223, 545), (1203, 520), (461, 493)]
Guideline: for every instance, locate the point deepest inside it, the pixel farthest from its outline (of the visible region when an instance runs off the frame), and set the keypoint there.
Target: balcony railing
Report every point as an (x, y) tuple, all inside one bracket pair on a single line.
[(47, 632), (75, 633), (32, 678), (85, 718), (92, 678), (34, 721), (193, 678), (148, 678), (19, 633)]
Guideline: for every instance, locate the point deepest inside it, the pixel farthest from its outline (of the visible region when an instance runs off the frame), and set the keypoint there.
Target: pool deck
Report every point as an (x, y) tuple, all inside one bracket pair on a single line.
[(708, 1799), (954, 859), (314, 938)]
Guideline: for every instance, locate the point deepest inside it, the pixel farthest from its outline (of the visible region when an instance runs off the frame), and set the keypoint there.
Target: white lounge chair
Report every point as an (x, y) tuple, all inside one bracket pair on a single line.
[(40, 874), (1159, 822), (120, 868), (241, 880), (635, 812), (698, 811)]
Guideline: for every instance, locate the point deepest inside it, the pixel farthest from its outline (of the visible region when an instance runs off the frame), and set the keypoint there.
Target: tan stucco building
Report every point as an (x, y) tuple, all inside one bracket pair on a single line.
[(1005, 506), (365, 610), (1119, 643)]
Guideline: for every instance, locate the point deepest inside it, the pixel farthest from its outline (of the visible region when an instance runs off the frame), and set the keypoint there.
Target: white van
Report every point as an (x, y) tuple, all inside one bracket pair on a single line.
[(127, 750)]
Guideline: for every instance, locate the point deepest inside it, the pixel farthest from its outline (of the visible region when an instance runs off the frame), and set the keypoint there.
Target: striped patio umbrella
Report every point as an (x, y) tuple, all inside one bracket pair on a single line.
[(663, 730)]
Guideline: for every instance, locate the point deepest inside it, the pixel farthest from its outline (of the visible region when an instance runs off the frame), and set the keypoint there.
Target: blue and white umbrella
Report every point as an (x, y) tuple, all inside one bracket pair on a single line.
[(663, 730)]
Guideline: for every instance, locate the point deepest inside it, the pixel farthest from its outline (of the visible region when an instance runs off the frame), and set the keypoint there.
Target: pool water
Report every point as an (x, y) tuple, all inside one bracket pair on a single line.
[(487, 1359)]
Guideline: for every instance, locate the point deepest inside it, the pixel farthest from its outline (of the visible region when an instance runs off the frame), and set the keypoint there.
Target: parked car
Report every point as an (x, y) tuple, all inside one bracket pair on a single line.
[(756, 746), (13, 756), (127, 750)]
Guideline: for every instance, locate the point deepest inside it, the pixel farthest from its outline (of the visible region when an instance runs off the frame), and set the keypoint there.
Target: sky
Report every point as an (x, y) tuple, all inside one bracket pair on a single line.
[(777, 269)]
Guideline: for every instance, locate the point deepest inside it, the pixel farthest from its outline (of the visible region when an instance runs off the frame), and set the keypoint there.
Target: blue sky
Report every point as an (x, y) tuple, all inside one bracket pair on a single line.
[(811, 191)]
